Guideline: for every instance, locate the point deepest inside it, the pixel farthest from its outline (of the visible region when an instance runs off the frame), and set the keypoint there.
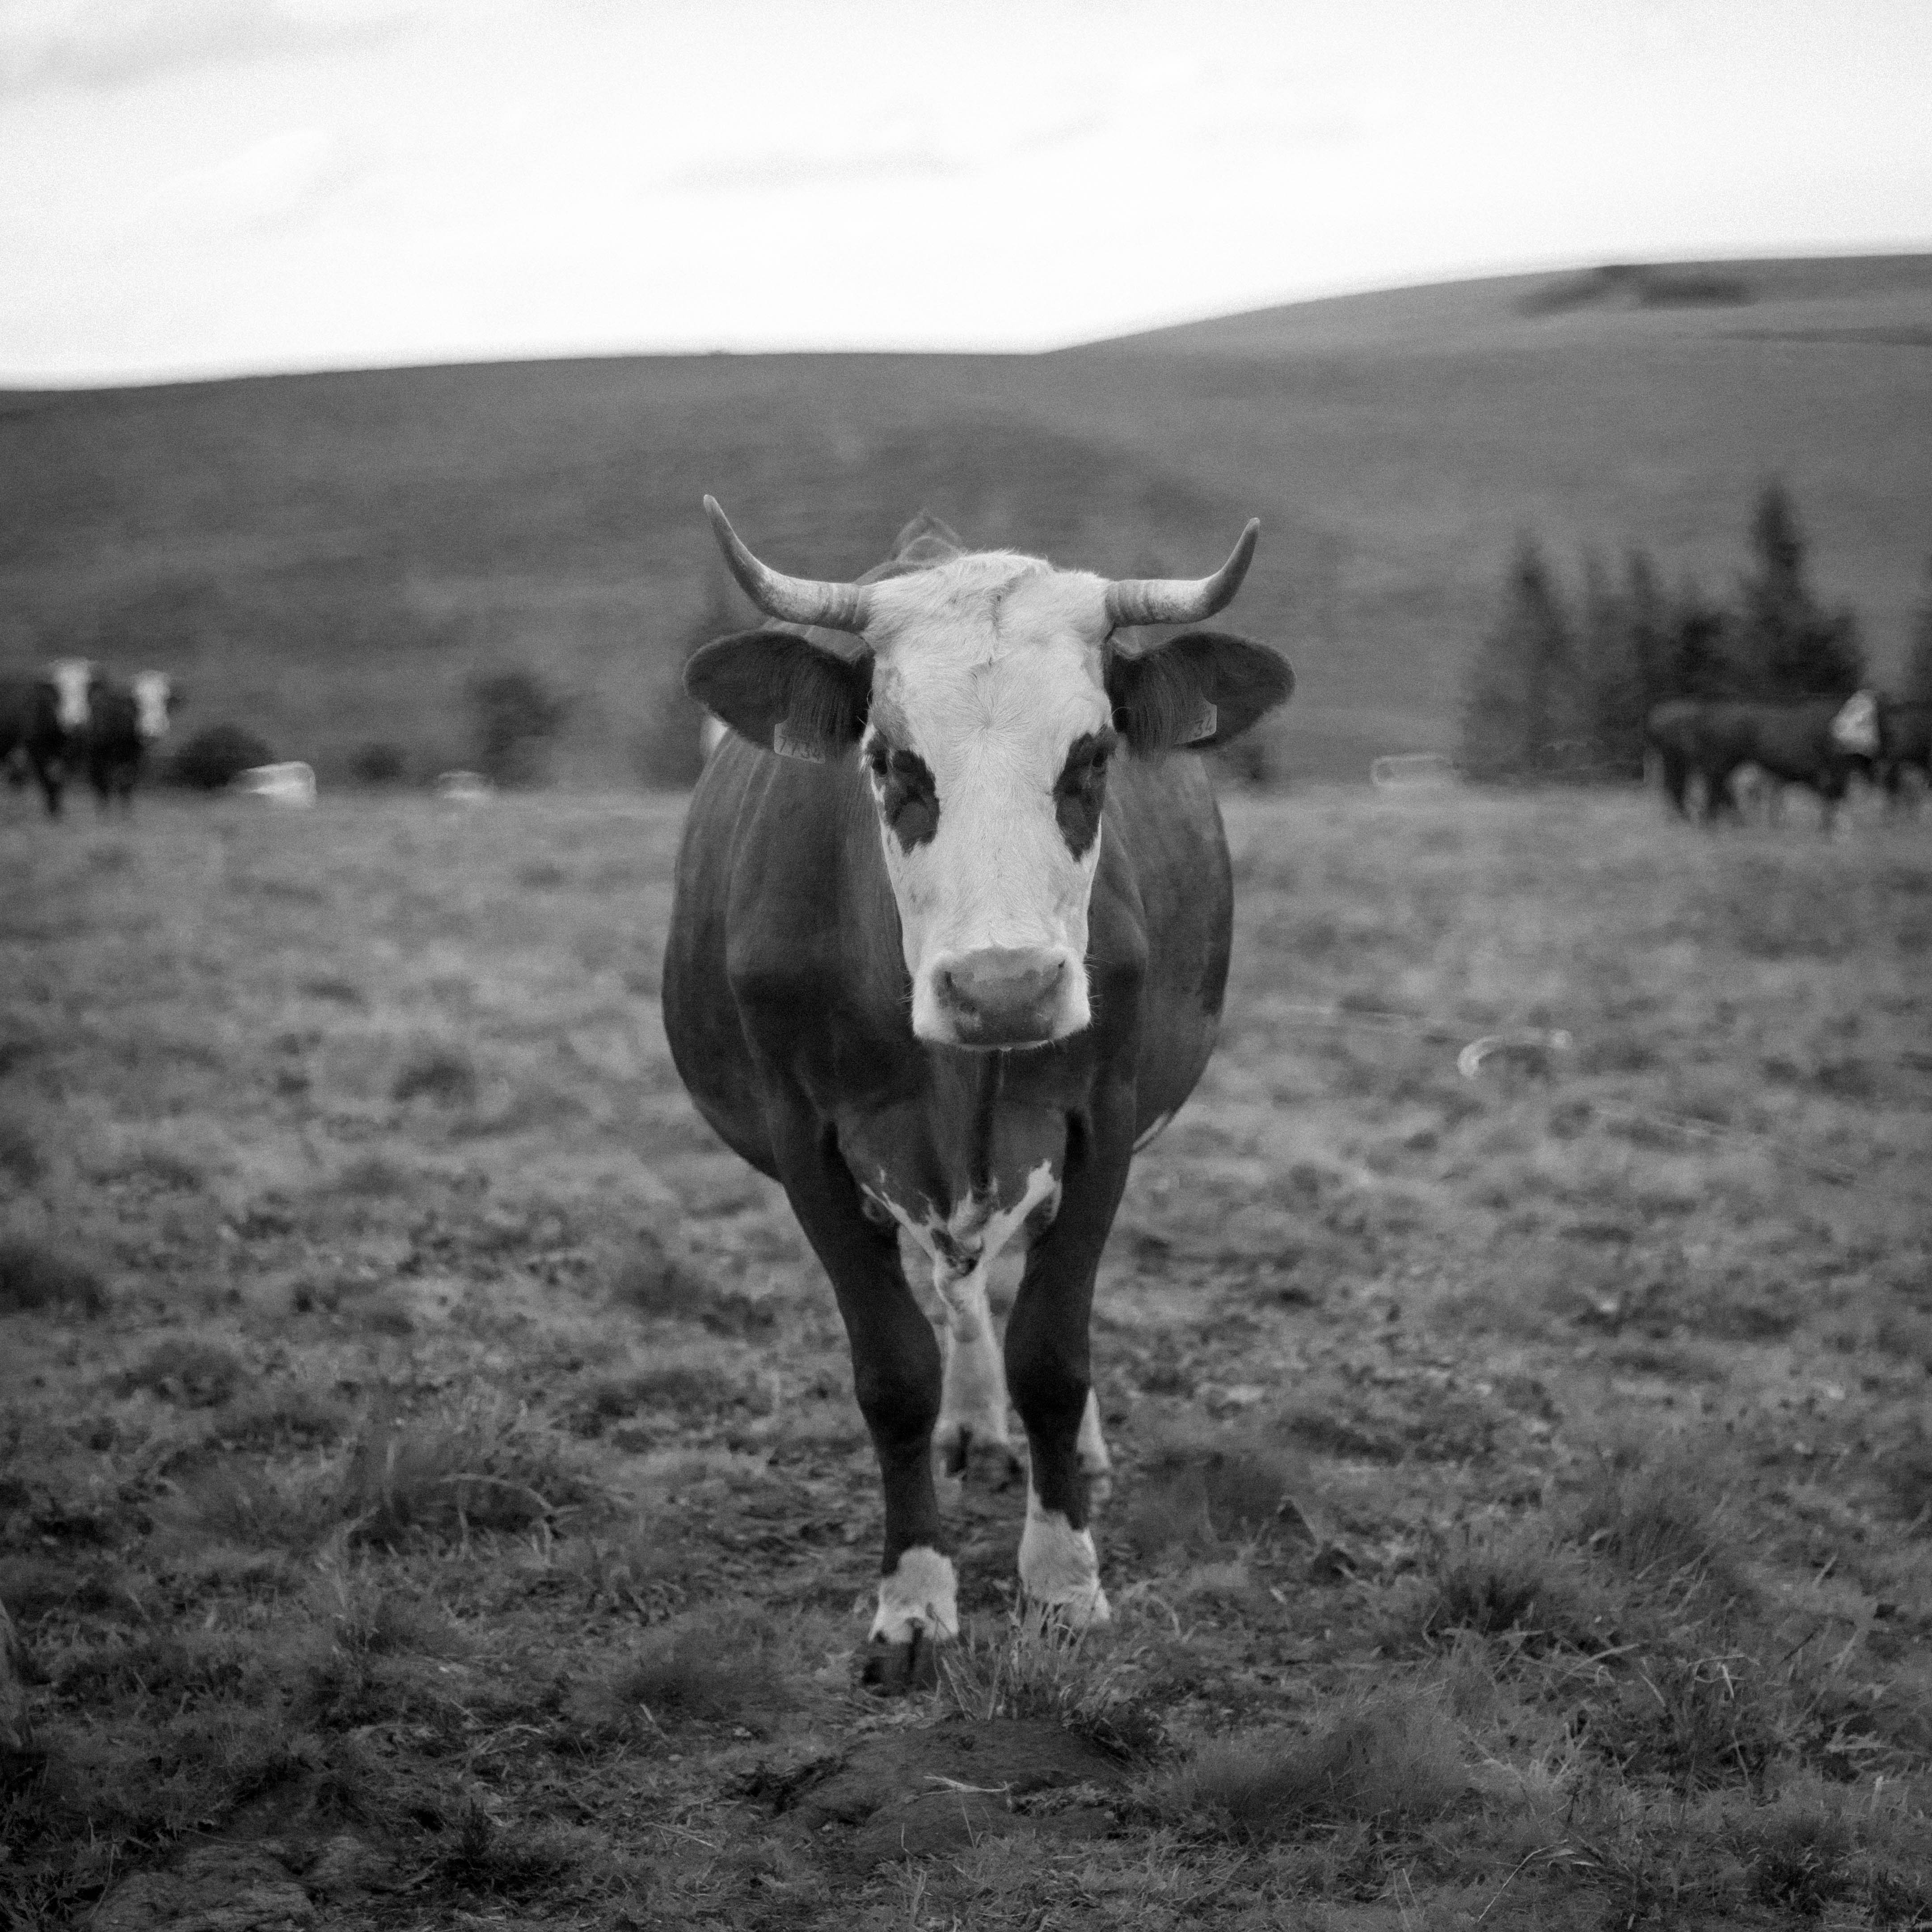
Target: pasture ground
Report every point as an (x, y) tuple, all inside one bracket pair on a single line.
[(432, 1492)]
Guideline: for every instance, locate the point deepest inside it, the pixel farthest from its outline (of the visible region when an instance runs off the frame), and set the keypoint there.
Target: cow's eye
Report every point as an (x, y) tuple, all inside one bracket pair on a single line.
[(908, 798)]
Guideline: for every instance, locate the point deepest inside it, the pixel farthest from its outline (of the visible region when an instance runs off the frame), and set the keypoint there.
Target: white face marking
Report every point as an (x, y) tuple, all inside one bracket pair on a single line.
[(153, 694), (1854, 729), (1058, 1567), (989, 669), (71, 677), (919, 1597)]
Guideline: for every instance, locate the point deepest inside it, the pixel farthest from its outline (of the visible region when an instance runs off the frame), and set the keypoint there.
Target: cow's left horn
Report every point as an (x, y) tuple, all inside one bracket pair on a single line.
[(797, 600), (1182, 600)]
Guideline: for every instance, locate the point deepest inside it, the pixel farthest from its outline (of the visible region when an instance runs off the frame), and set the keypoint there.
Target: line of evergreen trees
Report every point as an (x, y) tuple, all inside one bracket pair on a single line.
[(1560, 688)]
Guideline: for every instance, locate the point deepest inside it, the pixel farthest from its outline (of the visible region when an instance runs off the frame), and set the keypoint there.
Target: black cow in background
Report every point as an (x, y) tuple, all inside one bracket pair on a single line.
[(43, 720), (1819, 743), (124, 720), (1904, 746)]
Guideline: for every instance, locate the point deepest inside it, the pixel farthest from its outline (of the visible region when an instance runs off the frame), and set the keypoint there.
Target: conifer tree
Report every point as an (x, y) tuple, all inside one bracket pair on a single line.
[(1615, 688), (1521, 713), (1918, 652), (1786, 646), (1696, 659)]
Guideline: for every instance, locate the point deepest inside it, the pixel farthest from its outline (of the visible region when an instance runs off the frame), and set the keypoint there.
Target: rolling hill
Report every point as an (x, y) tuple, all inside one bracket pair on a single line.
[(327, 557)]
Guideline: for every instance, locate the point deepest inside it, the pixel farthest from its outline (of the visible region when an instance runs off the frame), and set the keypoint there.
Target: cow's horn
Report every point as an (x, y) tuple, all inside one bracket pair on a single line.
[(797, 600), (1182, 600)]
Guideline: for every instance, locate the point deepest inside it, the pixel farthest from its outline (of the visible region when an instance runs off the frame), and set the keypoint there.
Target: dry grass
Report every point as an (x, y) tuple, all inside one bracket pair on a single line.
[(1521, 1498)]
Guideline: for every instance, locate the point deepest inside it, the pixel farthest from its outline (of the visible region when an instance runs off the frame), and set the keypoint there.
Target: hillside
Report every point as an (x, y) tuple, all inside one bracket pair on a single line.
[(327, 557)]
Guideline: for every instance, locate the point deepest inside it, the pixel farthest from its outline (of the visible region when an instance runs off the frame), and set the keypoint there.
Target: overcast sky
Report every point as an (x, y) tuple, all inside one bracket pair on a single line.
[(201, 187)]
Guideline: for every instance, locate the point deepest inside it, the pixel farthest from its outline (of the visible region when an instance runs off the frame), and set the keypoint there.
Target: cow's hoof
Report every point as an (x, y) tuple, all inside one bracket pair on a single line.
[(896, 1670)]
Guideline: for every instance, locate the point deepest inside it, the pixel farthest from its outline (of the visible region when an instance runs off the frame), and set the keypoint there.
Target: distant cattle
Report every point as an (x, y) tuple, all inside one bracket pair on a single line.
[(1821, 743), (291, 782), (124, 722), (948, 942), (43, 720), (1904, 749)]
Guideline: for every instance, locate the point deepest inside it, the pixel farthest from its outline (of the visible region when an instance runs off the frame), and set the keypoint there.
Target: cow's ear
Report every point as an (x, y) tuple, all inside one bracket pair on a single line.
[(1201, 688), (783, 691)]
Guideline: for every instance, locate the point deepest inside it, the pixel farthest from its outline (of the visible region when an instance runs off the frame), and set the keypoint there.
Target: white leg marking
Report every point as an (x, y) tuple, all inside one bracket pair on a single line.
[(973, 1400), (1058, 1567), (1153, 1129), (1091, 1450), (918, 1597)]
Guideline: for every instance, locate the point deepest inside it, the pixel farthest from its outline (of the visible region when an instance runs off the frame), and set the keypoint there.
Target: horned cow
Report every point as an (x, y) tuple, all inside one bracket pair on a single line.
[(949, 939)]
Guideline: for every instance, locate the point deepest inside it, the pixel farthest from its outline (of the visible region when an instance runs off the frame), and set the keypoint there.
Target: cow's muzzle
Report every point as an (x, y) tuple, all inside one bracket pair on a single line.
[(1007, 996)]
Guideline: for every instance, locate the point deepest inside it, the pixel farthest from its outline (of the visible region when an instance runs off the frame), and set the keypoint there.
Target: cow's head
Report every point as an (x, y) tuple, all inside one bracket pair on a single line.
[(986, 702), (73, 679), (154, 700)]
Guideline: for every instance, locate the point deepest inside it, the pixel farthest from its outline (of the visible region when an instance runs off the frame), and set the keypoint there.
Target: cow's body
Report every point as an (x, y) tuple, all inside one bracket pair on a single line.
[(795, 1004), (1792, 744), (124, 722), (42, 723), (1905, 748)]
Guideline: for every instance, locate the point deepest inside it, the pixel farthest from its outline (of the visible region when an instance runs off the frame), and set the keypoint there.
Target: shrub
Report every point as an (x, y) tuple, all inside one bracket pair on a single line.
[(379, 762), (32, 1276), (212, 759), (516, 715)]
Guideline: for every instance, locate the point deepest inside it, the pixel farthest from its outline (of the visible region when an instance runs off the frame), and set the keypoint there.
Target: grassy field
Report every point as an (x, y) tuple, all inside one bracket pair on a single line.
[(432, 1492), (327, 558)]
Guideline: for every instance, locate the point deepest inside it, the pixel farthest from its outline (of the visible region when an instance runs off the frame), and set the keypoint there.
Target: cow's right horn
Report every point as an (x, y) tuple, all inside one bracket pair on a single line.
[(1182, 600), (797, 600)]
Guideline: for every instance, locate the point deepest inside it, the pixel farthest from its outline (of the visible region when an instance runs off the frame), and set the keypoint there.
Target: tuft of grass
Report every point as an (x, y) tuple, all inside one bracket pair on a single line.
[(33, 1275), (1033, 1666), (284, 1415), (1515, 1579), (718, 1664), (440, 1477), (253, 1508), (1391, 1756), (445, 1075), (197, 1374), (1699, 1723), (1199, 1493), (1657, 1524)]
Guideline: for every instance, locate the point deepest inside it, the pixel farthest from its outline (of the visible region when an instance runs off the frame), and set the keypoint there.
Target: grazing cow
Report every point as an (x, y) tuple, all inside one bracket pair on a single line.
[(1904, 746), (1819, 743), (948, 942), (123, 721), (43, 721)]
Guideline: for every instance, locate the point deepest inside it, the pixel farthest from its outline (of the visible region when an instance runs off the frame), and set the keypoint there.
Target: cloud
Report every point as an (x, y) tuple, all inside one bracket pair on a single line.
[(101, 45), (258, 187)]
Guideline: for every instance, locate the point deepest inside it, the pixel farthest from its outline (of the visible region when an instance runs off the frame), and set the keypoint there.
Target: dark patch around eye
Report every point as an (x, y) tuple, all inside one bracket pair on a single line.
[(908, 798), (1080, 792)]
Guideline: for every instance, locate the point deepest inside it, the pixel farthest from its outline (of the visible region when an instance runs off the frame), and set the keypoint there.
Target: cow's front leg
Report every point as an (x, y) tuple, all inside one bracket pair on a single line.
[(1049, 1370), (895, 1370)]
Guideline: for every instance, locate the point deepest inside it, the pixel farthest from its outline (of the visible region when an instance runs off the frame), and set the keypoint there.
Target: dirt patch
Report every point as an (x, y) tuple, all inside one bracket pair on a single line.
[(916, 1793)]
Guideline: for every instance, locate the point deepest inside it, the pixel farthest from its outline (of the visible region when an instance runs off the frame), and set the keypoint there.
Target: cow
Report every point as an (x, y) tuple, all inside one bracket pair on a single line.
[(123, 721), (948, 936), (42, 722), (1821, 742), (1904, 747)]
